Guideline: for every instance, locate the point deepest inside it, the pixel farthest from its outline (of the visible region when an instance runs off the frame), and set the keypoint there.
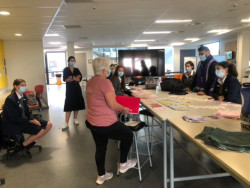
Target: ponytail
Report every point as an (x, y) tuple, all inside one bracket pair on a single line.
[(231, 67), (16, 82)]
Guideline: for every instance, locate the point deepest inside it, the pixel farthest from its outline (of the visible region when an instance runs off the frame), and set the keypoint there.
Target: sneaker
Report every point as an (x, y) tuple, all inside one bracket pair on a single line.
[(76, 122), (101, 179), (65, 126), (129, 164)]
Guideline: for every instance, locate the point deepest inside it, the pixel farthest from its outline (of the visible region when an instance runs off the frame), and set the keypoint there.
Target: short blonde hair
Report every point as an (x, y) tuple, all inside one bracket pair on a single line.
[(99, 64)]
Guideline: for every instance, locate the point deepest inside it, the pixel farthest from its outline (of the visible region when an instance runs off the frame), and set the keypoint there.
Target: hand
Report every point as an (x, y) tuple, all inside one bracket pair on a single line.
[(200, 93), (77, 79), (221, 98), (126, 110), (34, 121)]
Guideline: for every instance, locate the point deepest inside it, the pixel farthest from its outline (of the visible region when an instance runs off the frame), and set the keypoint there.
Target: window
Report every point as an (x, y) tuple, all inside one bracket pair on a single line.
[(214, 48)]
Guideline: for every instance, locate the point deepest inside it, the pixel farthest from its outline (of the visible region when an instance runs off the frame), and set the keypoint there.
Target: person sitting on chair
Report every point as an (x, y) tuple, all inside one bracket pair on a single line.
[(17, 119)]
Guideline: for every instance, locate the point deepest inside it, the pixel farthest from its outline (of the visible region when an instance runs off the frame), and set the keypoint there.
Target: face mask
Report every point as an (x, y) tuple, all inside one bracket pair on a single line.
[(112, 71), (188, 70), (219, 73), (203, 58), (108, 74), (120, 74), (22, 89), (72, 63)]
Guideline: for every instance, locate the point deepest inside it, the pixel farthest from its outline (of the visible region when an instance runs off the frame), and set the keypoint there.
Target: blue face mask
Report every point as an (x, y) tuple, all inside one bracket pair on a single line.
[(112, 71), (188, 70), (72, 63), (203, 58), (219, 73), (22, 89), (120, 74), (108, 74)]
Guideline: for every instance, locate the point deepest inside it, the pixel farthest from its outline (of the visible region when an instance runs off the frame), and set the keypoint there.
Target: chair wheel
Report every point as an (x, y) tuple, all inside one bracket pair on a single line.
[(40, 148), (2, 181), (28, 154)]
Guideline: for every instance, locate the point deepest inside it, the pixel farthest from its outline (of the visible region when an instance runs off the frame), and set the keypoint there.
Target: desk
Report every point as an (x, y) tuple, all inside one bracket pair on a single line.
[(237, 164)]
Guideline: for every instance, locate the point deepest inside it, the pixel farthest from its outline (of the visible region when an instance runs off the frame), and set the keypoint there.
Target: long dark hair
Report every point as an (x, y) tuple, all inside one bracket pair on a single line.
[(115, 75), (231, 67), (71, 57), (17, 82)]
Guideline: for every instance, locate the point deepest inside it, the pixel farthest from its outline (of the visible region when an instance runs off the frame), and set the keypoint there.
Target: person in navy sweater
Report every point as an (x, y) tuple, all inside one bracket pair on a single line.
[(227, 86), (17, 119)]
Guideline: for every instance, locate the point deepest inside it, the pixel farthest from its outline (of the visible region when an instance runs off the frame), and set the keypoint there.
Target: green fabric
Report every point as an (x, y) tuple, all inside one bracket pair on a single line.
[(225, 140)]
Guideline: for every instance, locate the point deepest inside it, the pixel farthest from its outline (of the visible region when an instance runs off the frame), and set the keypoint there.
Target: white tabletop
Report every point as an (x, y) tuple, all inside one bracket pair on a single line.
[(237, 164)]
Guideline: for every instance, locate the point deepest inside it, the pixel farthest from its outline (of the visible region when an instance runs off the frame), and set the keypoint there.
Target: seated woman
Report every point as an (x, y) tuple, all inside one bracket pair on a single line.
[(102, 121), (17, 118), (188, 76), (227, 86), (119, 82)]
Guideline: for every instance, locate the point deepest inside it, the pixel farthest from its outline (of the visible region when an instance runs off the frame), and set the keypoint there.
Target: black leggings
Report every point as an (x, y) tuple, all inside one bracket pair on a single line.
[(116, 131)]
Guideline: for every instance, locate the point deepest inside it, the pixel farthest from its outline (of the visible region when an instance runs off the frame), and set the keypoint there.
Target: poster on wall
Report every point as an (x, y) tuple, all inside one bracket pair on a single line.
[(4, 67)]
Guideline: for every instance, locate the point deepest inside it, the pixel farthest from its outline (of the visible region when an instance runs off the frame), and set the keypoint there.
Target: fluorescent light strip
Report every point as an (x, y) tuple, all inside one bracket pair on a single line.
[(156, 32), (191, 39), (246, 20), (177, 43), (52, 35), (54, 42), (138, 45), (18, 34), (4, 13), (146, 40), (173, 21), (219, 31)]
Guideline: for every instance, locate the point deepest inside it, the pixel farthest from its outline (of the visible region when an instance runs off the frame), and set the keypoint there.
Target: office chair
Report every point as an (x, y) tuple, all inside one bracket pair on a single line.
[(39, 94)]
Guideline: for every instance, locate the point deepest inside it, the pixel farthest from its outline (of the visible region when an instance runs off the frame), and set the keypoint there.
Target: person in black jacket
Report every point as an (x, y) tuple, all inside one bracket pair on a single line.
[(17, 119), (205, 73), (227, 86)]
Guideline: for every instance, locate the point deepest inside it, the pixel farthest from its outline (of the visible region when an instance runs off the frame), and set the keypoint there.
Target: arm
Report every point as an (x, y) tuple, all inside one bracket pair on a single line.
[(78, 76), (211, 78), (233, 90), (66, 76), (111, 101), (13, 113)]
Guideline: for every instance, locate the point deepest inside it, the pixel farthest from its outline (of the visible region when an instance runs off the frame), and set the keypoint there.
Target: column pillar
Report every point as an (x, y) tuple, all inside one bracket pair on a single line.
[(243, 53)]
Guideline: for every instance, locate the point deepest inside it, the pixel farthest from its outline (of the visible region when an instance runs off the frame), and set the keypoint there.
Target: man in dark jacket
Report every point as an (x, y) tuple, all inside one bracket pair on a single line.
[(205, 75)]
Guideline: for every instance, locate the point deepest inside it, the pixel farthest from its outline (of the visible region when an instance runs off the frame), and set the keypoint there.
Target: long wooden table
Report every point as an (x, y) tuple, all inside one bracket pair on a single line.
[(236, 164)]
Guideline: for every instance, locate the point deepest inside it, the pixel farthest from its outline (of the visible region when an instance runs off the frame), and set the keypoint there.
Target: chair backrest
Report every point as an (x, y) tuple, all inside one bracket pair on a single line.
[(31, 99), (39, 89), (29, 92), (132, 103)]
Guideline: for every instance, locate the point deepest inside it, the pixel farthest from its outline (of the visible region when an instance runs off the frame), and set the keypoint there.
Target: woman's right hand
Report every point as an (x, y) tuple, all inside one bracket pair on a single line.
[(126, 110)]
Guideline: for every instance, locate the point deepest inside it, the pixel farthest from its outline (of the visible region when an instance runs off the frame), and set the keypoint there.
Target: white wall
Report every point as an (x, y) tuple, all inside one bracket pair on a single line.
[(88, 66), (25, 60)]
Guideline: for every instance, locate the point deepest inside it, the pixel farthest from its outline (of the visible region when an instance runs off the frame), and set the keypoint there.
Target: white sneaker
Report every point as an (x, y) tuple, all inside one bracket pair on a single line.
[(65, 126), (76, 122), (101, 179), (129, 164)]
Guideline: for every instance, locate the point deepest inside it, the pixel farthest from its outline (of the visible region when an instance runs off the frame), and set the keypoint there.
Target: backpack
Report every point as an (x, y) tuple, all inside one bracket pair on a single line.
[(175, 86)]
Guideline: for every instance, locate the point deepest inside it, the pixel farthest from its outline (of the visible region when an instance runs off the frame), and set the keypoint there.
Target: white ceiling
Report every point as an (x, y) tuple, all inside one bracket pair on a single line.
[(31, 18), (119, 22)]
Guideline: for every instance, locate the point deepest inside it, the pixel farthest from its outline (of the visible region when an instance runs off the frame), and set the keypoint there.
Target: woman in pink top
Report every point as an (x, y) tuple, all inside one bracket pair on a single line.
[(102, 121)]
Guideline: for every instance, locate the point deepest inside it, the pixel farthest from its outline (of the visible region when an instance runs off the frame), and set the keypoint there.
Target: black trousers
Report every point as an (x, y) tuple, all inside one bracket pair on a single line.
[(116, 131)]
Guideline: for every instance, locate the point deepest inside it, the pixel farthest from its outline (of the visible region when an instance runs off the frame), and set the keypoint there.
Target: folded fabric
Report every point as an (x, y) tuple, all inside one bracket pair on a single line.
[(194, 119), (225, 140), (232, 114)]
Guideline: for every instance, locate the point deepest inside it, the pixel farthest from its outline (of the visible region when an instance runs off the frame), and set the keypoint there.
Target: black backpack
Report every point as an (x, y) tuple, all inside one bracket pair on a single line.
[(174, 86)]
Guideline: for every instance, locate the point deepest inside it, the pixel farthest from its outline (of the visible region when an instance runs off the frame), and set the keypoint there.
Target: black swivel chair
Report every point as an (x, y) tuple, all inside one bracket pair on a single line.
[(13, 144)]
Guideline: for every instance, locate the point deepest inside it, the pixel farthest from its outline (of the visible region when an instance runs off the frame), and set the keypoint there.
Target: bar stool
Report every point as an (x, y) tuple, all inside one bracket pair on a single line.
[(151, 127), (136, 126)]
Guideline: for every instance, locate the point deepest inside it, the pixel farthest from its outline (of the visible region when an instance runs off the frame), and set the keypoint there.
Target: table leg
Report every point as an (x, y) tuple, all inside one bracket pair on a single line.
[(171, 156), (165, 163)]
